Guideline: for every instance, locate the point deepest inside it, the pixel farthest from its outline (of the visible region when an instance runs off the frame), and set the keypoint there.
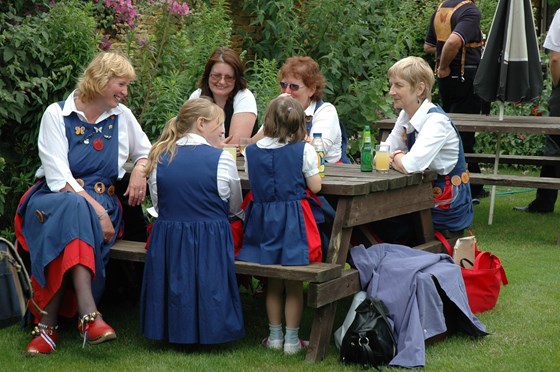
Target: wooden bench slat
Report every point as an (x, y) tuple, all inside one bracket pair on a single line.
[(513, 159), (314, 272), (515, 181)]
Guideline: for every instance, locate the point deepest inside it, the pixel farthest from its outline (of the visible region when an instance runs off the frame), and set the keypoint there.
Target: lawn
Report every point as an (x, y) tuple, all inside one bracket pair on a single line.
[(525, 326)]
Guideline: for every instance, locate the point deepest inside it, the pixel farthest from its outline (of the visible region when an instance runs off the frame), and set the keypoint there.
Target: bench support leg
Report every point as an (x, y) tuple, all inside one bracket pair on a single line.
[(321, 331)]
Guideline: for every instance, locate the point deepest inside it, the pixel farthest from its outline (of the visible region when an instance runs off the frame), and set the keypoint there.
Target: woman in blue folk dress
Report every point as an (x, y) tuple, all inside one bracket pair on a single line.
[(70, 218), (189, 290), (280, 224)]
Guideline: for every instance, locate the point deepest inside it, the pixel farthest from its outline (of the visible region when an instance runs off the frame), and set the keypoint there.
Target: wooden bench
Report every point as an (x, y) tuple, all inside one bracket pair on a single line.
[(513, 159), (509, 124), (328, 282), (317, 272)]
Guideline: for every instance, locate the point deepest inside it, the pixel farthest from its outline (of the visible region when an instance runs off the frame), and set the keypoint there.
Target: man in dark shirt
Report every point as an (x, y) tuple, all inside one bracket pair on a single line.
[(454, 36)]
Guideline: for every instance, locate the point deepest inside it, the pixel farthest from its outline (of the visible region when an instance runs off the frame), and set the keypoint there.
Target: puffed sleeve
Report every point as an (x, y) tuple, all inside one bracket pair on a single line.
[(229, 184), (53, 151)]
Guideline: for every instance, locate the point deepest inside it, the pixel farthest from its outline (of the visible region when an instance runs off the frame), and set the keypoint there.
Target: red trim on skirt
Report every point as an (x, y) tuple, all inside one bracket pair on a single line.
[(77, 252)]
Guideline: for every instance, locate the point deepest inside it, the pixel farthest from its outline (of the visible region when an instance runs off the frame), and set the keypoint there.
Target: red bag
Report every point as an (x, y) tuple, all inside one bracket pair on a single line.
[(483, 282)]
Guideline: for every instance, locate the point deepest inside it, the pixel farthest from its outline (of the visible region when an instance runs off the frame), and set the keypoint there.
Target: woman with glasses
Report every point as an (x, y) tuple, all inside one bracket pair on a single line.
[(224, 82), (301, 78)]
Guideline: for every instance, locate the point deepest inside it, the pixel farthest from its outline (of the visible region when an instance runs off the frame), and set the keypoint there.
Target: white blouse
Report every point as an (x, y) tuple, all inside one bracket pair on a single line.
[(437, 143), (53, 144)]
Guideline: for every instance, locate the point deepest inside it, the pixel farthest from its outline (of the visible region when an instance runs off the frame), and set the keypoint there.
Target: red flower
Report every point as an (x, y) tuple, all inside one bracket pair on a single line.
[(98, 144)]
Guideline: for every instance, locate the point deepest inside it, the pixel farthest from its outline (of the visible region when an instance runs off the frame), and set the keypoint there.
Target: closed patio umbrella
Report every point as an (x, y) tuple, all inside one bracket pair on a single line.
[(510, 68)]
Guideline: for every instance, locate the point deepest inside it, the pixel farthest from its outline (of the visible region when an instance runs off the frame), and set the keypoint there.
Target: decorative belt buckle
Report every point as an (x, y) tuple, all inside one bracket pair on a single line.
[(456, 180), (99, 188), (111, 190), (80, 182)]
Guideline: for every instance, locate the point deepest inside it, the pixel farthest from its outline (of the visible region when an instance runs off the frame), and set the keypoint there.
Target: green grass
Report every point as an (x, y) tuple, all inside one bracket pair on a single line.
[(525, 325)]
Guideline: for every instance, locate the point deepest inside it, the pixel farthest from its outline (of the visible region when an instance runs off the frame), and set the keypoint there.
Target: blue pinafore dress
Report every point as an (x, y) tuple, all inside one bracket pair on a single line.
[(61, 229), (280, 227), (189, 291), (453, 209)]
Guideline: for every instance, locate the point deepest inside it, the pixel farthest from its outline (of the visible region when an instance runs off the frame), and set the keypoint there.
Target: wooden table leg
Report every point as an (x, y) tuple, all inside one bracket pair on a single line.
[(321, 333)]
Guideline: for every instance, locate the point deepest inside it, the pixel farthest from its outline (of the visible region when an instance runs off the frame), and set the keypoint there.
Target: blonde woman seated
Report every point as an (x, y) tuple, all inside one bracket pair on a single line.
[(425, 138)]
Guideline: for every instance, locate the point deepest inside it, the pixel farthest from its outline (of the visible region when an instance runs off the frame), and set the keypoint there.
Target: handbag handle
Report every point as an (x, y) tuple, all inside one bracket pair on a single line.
[(462, 263), (444, 241)]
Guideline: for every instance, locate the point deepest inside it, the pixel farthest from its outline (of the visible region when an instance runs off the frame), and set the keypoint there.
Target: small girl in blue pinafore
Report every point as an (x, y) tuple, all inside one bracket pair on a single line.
[(280, 224)]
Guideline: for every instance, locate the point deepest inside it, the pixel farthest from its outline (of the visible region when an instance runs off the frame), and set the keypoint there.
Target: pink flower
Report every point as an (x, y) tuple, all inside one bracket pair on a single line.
[(105, 43)]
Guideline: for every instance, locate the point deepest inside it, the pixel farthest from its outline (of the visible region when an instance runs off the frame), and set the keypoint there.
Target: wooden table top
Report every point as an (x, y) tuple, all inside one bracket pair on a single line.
[(348, 180), (484, 123)]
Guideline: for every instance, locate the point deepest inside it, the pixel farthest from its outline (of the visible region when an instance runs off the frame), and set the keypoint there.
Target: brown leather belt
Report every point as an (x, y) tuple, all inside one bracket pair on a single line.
[(99, 187)]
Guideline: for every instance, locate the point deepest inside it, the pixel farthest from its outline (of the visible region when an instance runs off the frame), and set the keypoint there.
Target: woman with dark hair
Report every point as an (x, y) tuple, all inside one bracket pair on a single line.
[(224, 82)]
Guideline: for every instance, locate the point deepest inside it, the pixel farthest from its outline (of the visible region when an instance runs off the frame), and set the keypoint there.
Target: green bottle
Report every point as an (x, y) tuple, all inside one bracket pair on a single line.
[(366, 164)]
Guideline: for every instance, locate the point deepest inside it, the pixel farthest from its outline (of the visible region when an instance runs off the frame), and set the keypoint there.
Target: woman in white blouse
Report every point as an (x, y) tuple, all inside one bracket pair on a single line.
[(224, 82), (425, 138)]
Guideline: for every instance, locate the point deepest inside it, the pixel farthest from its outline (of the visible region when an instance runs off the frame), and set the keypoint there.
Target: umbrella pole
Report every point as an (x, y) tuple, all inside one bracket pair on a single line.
[(496, 163)]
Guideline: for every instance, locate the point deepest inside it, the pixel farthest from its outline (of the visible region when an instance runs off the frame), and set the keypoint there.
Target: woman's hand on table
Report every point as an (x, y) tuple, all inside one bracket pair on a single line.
[(396, 161)]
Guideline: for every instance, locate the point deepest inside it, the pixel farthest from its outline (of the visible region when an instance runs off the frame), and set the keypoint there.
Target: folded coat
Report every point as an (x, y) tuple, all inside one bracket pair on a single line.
[(416, 286)]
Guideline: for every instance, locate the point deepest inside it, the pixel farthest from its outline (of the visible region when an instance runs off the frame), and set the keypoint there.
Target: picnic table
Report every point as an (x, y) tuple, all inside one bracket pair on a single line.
[(361, 198), (492, 124)]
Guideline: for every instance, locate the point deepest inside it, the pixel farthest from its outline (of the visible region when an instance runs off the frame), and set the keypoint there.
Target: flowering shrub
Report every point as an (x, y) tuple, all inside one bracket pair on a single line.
[(353, 147)]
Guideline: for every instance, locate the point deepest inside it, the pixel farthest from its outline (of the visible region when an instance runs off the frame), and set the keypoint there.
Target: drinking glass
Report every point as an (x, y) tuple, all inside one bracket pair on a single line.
[(382, 158), (243, 142), (232, 150)]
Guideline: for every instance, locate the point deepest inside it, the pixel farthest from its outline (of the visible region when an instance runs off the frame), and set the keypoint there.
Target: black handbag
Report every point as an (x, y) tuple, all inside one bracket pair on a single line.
[(370, 340)]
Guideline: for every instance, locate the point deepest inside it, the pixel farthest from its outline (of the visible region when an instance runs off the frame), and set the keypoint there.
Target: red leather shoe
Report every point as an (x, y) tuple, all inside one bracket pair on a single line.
[(44, 340), (94, 329)]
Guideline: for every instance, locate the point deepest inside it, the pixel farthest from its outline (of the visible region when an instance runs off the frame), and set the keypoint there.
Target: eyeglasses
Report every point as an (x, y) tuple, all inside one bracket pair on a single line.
[(219, 77), (294, 87)]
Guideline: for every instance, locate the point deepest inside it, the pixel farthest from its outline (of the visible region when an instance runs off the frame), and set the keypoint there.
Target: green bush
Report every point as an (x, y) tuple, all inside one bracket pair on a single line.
[(42, 54), (263, 82), (354, 43), (169, 52)]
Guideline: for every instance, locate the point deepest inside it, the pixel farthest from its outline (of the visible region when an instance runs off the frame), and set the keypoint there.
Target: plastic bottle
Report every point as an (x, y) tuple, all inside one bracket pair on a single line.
[(319, 146), (366, 164)]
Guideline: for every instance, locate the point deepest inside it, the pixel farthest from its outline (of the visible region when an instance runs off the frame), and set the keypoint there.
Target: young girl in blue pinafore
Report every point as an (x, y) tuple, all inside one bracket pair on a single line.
[(280, 226), (189, 290)]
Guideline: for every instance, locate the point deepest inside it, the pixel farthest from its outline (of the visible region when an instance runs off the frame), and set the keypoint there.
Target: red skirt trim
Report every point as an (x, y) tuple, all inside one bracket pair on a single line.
[(312, 231), (77, 252)]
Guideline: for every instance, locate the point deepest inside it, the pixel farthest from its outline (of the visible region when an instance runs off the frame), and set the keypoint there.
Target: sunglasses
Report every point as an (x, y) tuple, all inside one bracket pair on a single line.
[(294, 87), (219, 77)]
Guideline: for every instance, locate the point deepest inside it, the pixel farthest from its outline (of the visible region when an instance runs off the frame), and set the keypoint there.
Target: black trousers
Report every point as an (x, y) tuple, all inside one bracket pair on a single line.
[(457, 96), (546, 199)]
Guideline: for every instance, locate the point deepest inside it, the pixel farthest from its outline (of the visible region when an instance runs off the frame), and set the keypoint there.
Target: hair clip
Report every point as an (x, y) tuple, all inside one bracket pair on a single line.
[(290, 109)]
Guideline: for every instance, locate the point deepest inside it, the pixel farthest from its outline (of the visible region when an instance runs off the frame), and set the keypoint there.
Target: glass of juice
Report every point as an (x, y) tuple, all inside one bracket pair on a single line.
[(243, 142), (232, 150), (382, 159)]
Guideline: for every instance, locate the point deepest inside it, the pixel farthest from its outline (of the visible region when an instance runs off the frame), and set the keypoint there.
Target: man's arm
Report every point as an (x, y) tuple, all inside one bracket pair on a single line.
[(448, 53), (429, 49), (554, 66)]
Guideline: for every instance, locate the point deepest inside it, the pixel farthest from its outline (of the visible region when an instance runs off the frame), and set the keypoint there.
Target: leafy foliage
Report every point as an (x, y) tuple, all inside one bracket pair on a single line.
[(43, 50), (354, 42), (169, 55), (263, 77)]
